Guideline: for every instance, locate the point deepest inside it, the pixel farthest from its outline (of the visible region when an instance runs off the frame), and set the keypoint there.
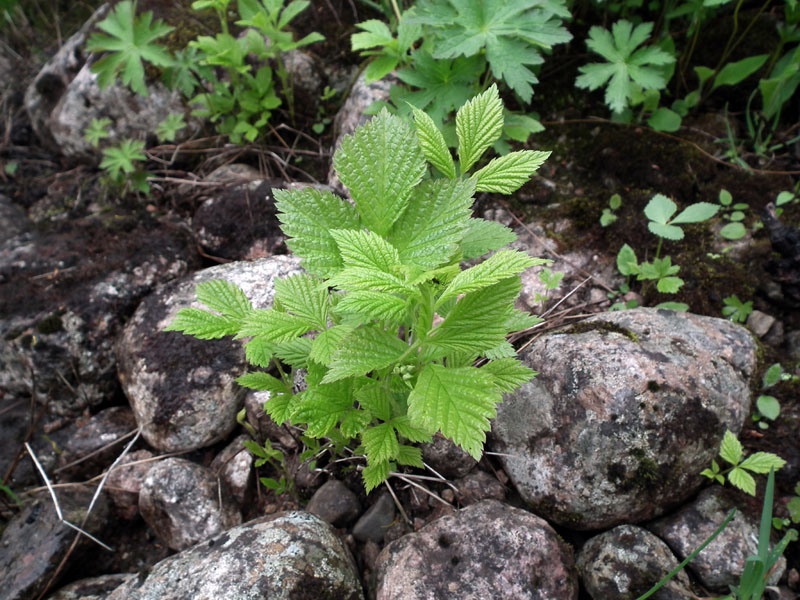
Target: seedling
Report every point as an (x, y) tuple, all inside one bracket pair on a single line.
[(170, 126), (768, 407), (735, 229), (120, 163), (736, 310), (739, 473), (608, 217), (97, 131)]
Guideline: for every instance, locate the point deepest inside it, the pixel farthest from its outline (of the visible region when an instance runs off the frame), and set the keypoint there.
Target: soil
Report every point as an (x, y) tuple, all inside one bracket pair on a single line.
[(592, 159)]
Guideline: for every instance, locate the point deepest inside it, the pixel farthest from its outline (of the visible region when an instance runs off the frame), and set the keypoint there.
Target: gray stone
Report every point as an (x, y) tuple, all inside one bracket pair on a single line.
[(477, 486), (264, 426), (125, 481), (793, 344), (627, 409), (721, 563), (446, 458), (488, 550), (13, 220), (92, 588), (287, 556), (304, 73), (375, 522), (96, 443), (626, 562), (760, 323), (235, 466), (334, 503), (182, 390), (35, 541), (180, 500)]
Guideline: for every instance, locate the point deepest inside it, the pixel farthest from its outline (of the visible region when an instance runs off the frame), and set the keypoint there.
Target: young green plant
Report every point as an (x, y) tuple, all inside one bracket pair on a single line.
[(385, 323)]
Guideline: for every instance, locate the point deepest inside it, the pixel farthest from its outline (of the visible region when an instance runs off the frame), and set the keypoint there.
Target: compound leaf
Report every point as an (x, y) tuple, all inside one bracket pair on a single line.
[(375, 474), (327, 343), (731, 448), (374, 305), (742, 480), (410, 456), (762, 462), (258, 351), (323, 407), (263, 382)]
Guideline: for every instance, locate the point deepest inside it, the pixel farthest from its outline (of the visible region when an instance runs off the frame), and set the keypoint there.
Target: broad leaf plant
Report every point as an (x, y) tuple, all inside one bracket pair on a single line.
[(386, 325)]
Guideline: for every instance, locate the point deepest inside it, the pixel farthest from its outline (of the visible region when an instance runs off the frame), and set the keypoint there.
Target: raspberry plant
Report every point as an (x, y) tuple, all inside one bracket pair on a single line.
[(385, 324)]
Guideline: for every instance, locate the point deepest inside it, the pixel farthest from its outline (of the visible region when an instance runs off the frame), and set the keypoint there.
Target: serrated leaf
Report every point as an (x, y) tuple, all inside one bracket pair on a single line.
[(375, 33), (509, 373), (459, 402), (627, 264), (203, 325), (307, 217), (380, 164), (428, 232), (380, 443), (364, 350), (410, 456), (294, 352), (696, 213), (327, 343), (354, 422), (374, 305), (669, 285), (768, 407), (793, 507), (356, 278), (365, 250), (262, 382), (743, 480), (375, 474), (499, 266), (506, 174), (273, 325), (323, 407), (519, 320), (259, 351), (414, 434), (280, 407), (374, 398), (302, 295), (477, 321), (503, 350), (669, 232), (731, 448), (659, 209), (484, 236), (762, 462), (479, 124), (433, 146)]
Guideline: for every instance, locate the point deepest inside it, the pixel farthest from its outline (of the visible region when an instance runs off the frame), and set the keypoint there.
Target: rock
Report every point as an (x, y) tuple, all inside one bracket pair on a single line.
[(235, 466), (488, 550), (721, 563), (760, 323), (182, 390), (125, 481), (96, 444), (628, 408), (180, 500), (286, 556), (374, 523), (13, 220), (35, 541), (303, 73), (352, 114), (64, 295), (446, 458), (626, 562), (334, 503), (93, 588), (239, 222), (793, 344), (264, 426), (477, 486)]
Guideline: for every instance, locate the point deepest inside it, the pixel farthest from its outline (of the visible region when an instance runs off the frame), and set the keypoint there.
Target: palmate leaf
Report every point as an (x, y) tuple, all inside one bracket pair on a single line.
[(428, 232), (458, 402), (499, 266), (479, 124), (506, 174), (307, 216), (364, 350), (129, 41), (380, 164), (482, 236)]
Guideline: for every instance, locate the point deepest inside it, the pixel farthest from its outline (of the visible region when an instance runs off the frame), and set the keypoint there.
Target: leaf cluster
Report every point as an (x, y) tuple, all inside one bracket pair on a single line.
[(739, 473), (385, 323)]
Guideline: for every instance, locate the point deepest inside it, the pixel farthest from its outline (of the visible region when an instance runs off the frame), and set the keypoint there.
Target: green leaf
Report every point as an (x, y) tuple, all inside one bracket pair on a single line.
[(484, 236), (375, 33), (119, 160), (380, 164), (259, 351), (323, 407), (273, 325), (669, 285), (307, 217), (303, 296), (676, 306), (433, 146), (772, 376), (669, 232), (168, 129), (280, 407), (506, 174), (263, 382), (295, 352), (380, 443), (414, 434), (509, 373), (626, 261), (660, 209), (356, 278), (743, 480), (354, 422), (736, 72), (364, 350), (768, 407), (410, 456), (375, 474), (664, 119), (497, 267), (696, 213), (794, 509), (203, 325), (374, 305), (327, 343), (762, 462), (366, 250), (459, 402), (224, 297), (733, 231), (97, 131), (731, 448), (428, 232), (375, 399), (479, 123)]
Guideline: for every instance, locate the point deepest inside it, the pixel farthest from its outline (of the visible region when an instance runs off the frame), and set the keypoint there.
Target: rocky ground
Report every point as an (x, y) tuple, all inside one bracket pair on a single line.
[(590, 486)]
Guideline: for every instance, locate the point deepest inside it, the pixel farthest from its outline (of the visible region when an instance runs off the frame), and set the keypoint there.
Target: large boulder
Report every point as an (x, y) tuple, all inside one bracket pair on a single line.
[(627, 409), (183, 390), (488, 550), (287, 556)]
